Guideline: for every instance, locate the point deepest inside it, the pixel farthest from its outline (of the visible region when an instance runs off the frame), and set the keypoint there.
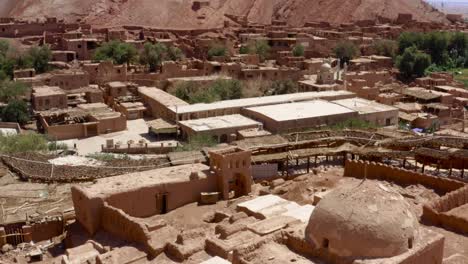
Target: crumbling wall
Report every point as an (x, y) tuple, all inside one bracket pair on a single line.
[(379, 171), (87, 210), (144, 202), (117, 222), (46, 230), (437, 211)]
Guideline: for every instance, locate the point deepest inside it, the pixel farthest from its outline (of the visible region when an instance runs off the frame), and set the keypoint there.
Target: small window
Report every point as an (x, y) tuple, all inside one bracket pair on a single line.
[(237, 164), (3, 29), (325, 243), (47, 102), (410, 243), (79, 46)]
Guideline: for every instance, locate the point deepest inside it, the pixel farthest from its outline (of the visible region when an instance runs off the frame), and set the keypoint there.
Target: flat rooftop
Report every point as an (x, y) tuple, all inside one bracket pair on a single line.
[(219, 122), (261, 101), (161, 96), (301, 110), (47, 91), (364, 106), (137, 180), (200, 78)]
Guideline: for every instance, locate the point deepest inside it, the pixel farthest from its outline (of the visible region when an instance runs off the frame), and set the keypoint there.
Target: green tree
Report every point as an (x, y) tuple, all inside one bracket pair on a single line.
[(217, 50), (10, 90), (346, 51), (226, 89), (413, 62), (175, 53), (153, 55), (409, 39), (244, 49), (386, 47), (262, 49), (436, 44), (38, 58), (16, 111), (298, 50), (4, 47), (116, 51)]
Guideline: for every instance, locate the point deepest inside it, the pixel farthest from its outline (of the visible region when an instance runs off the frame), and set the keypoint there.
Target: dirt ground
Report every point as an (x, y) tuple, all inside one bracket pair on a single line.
[(21, 199)]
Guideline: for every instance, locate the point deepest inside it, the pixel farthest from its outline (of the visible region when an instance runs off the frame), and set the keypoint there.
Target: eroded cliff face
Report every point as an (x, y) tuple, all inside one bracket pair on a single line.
[(182, 14)]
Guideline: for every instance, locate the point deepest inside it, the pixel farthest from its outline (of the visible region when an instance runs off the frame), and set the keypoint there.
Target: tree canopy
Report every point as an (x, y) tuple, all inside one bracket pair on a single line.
[(346, 51), (298, 50), (154, 54), (16, 111), (413, 62), (10, 90), (116, 51)]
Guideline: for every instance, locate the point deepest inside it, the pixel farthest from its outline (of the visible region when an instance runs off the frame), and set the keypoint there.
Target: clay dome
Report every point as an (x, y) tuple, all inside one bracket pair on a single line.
[(325, 67), (363, 220)]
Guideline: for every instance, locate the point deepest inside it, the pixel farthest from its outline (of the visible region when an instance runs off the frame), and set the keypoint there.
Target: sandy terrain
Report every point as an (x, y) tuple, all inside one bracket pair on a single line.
[(180, 13)]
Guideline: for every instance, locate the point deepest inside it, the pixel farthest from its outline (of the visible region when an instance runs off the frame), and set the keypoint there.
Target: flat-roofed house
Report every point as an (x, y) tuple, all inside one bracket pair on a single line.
[(298, 116), (223, 128), (370, 111)]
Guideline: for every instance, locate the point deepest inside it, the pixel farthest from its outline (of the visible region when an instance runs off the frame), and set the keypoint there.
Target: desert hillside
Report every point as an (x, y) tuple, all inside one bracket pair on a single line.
[(182, 14)]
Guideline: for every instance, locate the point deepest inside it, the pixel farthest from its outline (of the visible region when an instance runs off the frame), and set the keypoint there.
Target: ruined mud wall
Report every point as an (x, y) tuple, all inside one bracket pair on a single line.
[(46, 230), (143, 202), (87, 210), (117, 222), (372, 170), (437, 212)]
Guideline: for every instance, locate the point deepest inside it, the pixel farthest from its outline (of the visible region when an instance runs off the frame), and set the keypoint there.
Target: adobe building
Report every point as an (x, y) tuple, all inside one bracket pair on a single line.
[(114, 203), (223, 128), (86, 120), (65, 79), (235, 106), (105, 71), (49, 97), (159, 103), (300, 115), (372, 112)]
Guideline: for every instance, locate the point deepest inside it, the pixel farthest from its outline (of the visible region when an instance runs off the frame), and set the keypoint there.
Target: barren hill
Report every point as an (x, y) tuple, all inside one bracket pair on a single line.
[(184, 14)]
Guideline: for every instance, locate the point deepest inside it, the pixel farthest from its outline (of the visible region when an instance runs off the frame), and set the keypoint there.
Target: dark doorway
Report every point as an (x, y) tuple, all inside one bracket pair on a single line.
[(161, 203)]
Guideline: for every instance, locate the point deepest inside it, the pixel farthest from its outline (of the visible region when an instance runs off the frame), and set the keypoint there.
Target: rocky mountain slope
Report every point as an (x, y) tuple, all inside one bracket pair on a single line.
[(184, 14)]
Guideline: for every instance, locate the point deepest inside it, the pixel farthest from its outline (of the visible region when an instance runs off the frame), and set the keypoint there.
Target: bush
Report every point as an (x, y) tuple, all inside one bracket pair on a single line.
[(413, 62), (386, 47), (38, 58), (244, 49), (282, 87), (16, 111), (10, 90), (174, 53), (116, 51), (198, 142), (353, 124), (29, 142), (219, 90), (298, 50), (346, 51), (217, 50), (54, 145)]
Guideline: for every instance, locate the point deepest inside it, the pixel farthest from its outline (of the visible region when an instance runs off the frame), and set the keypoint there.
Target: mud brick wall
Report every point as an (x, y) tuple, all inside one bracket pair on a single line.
[(436, 212), (117, 222), (379, 171)]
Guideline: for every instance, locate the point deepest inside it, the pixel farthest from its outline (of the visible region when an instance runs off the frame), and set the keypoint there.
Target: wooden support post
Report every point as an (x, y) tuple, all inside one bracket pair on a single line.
[(308, 164), (297, 161), (315, 163), (404, 163), (422, 170), (415, 165), (287, 167)]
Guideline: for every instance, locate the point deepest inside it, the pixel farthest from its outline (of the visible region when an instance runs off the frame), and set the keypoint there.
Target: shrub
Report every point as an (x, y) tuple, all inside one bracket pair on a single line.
[(413, 62), (16, 111), (198, 142), (298, 50), (30, 142), (217, 50), (10, 90)]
